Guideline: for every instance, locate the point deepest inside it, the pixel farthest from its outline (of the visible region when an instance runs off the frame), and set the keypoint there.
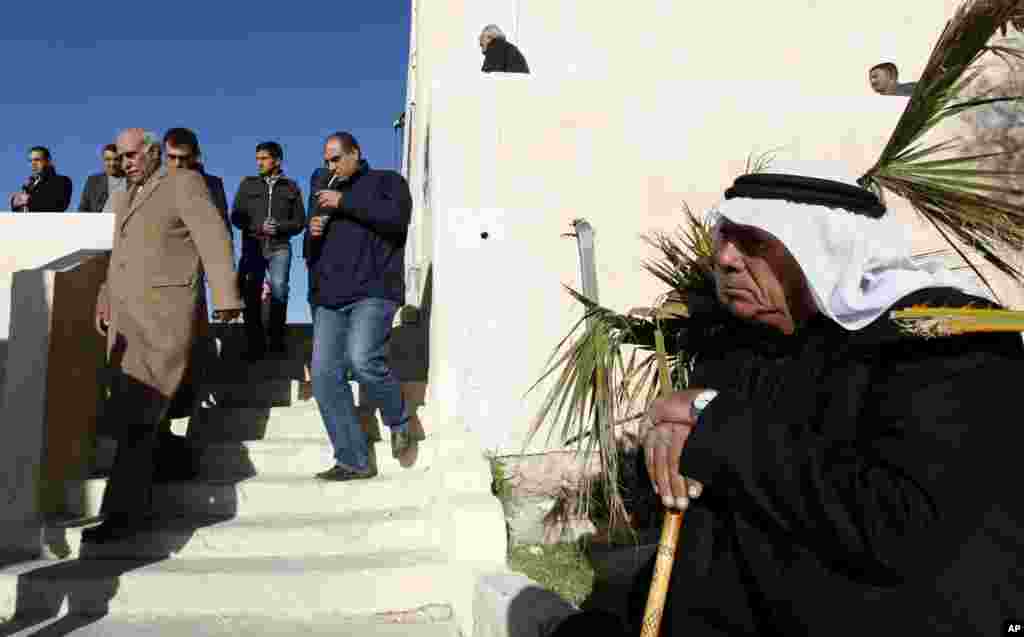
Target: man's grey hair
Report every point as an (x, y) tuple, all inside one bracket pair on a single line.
[(495, 30)]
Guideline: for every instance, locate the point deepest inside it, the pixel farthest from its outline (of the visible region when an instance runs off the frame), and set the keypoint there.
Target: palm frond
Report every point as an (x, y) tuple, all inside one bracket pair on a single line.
[(685, 261), (956, 194), (597, 385), (945, 321), (760, 163)]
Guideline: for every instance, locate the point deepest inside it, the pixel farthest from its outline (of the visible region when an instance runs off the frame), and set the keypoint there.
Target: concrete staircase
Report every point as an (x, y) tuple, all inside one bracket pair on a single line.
[(255, 545)]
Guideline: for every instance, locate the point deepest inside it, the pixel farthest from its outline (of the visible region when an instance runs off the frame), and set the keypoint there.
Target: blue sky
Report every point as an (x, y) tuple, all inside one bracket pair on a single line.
[(236, 73)]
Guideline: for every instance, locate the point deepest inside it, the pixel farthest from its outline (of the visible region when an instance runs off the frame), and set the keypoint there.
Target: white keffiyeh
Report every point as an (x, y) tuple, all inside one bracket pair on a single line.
[(857, 267)]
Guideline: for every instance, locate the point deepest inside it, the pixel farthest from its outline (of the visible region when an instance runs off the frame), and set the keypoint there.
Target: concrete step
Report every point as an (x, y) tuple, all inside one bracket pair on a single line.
[(359, 532), (220, 424), (297, 456), (265, 495), (432, 621), (236, 424), (314, 589)]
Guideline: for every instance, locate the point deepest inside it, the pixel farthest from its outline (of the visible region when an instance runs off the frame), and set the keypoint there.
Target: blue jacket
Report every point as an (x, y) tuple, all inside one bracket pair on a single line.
[(362, 251)]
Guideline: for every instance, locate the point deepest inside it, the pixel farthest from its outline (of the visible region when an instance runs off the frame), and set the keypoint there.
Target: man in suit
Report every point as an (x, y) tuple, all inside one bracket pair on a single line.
[(96, 195), (182, 152), (181, 145), (500, 55), (166, 231), (44, 190), (319, 177)]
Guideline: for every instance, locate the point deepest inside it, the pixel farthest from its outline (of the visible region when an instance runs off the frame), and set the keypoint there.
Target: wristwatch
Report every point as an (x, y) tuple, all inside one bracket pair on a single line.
[(701, 402)]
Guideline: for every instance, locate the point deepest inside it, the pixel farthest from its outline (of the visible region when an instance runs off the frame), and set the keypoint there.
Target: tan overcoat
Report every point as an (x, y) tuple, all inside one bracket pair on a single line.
[(170, 231)]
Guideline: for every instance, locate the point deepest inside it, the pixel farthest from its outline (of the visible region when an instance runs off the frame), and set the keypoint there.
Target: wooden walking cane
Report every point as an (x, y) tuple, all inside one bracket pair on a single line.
[(669, 529)]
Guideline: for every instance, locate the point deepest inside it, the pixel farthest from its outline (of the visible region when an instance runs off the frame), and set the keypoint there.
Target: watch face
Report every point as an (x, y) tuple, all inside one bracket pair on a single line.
[(702, 399)]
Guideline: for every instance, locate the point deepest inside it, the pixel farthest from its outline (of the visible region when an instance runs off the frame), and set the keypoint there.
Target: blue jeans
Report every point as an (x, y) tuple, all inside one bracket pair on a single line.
[(354, 339), (253, 268)]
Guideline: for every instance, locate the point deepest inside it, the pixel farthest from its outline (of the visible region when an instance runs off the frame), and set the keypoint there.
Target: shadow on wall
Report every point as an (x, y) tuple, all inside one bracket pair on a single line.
[(3, 370), (409, 352)]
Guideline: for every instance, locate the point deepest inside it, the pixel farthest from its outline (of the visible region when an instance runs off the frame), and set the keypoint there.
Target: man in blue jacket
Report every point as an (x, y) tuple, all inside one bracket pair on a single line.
[(356, 255)]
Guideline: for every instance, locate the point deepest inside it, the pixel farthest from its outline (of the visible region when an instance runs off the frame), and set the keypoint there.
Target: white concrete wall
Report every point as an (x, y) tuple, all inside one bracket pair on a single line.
[(34, 239), (626, 115), (31, 240)]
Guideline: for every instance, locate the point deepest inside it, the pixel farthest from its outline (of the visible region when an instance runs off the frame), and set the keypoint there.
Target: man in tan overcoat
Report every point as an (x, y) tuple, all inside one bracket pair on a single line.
[(166, 230)]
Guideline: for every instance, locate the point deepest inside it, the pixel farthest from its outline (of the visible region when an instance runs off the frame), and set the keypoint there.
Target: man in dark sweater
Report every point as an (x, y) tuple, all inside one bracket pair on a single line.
[(44, 190), (500, 55), (356, 253), (268, 210)]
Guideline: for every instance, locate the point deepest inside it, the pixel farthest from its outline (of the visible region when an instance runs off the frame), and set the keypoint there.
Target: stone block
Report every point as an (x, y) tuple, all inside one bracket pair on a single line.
[(52, 392), (513, 605)]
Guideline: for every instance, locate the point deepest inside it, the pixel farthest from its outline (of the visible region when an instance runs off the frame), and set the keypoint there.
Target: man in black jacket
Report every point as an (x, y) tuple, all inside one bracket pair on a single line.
[(320, 177), (500, 55), (216, 187), (268, 210), (44, 190), (357, 248), (842, 474), (96, 194)]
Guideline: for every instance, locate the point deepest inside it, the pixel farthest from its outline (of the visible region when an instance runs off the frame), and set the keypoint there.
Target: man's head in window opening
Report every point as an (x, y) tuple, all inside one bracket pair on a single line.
[(181, 146), (883, 78), (490, 33)]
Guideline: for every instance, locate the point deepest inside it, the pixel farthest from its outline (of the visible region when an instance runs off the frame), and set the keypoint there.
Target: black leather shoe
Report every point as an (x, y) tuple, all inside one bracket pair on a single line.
[(113, 530), (401, 441), (342, 474), (324, 474)]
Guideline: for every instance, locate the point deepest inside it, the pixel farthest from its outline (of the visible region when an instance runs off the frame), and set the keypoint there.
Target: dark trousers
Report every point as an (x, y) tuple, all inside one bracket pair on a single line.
[(253, 268), (136, 413)]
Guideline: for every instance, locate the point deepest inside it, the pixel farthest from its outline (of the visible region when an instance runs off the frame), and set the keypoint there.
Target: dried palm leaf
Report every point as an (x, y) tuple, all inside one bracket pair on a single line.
[(945, 321)]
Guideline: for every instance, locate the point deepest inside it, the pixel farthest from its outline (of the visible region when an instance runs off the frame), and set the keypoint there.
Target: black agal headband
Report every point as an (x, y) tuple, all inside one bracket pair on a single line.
[(807, 190)]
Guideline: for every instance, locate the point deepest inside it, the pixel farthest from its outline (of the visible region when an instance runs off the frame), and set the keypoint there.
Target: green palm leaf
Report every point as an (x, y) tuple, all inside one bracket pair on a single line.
[(597, 385), (955, 194)]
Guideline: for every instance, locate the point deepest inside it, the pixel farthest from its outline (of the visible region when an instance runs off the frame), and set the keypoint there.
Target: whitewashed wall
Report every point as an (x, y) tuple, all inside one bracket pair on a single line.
[(34, 239), (626, 115)]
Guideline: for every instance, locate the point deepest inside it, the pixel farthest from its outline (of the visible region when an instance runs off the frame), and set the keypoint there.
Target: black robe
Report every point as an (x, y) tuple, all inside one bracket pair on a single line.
[(856, 483)]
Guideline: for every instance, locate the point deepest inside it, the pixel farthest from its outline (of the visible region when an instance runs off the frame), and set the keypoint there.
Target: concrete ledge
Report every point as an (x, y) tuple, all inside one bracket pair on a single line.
[(513, 605)]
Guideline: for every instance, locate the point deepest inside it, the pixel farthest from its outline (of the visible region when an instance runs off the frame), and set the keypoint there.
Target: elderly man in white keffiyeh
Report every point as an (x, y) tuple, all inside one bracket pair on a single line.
[(850, 473)]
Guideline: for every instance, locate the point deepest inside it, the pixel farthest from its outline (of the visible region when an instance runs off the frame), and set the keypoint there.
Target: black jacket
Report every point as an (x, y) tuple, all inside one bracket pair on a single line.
[(215, 185), (502, 56), (95, 194), (255, 198), (856, 483), (362, 251), (52, 193)]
